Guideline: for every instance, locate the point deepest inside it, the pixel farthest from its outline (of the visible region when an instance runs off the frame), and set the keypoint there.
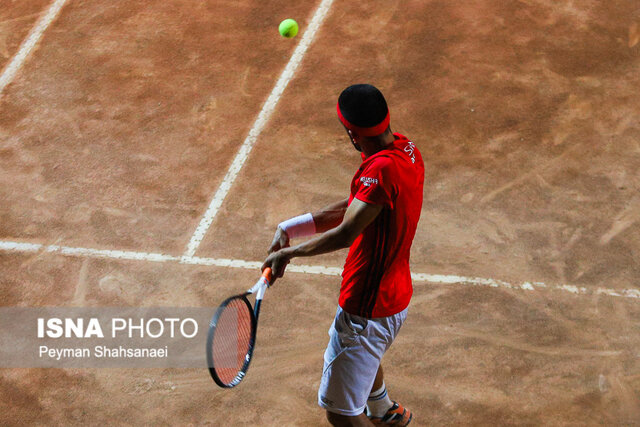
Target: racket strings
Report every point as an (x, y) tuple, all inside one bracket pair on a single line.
[(232, 340)]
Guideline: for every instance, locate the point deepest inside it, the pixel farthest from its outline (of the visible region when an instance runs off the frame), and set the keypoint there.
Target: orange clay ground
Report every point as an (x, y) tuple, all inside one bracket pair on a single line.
[(121, 125)]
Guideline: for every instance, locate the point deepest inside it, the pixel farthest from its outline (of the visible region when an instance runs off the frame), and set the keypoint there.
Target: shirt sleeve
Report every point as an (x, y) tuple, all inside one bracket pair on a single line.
[(375, 185)]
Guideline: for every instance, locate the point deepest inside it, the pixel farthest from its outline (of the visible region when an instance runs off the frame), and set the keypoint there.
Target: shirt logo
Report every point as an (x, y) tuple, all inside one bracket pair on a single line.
[(410, 149), (367, 182), (326, 401)]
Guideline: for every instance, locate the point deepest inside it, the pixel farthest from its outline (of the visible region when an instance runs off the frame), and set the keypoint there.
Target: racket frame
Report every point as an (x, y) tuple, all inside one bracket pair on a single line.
[(259, 289)]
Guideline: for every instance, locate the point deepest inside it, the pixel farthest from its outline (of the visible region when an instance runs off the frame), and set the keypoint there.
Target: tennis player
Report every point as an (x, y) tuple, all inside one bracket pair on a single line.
[(377, 222)]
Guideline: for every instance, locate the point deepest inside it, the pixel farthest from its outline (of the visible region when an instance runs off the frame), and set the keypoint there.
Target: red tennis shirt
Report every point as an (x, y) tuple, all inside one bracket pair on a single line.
[(376, 280)]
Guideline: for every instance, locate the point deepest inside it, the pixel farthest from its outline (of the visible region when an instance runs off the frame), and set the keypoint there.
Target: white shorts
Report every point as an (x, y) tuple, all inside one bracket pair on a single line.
[(351, 361)]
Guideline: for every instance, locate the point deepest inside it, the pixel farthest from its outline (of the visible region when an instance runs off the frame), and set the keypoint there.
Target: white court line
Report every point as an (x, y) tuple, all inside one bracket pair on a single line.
[(267, 109), (11, 246), (29, 43)]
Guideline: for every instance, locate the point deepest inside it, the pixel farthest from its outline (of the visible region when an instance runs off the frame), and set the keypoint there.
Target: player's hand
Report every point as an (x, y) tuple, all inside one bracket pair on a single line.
[(280, 241), (278, 262)]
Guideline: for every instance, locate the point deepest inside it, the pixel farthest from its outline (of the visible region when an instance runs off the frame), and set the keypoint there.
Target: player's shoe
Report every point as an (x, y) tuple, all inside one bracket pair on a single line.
[(397, 415)]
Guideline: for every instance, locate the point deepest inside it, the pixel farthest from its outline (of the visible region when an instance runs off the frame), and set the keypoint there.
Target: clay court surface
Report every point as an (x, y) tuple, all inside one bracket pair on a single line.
[(120, 126)]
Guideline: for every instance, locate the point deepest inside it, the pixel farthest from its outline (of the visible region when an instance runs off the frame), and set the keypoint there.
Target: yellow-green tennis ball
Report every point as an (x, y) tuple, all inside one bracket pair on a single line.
[(288, 28)]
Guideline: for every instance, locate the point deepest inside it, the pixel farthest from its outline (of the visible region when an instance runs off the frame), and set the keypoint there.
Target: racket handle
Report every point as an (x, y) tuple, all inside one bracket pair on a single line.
[(268, 275)]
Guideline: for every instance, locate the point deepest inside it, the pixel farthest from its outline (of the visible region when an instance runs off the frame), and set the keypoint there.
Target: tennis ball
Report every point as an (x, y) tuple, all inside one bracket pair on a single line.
[(288, 28)]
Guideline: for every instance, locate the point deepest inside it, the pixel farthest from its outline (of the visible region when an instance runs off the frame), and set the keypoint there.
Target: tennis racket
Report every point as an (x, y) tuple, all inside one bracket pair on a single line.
[(232, 335)]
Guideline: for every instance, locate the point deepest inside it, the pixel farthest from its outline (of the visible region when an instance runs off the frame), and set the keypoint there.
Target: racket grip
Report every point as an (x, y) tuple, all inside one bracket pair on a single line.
[(268, 275)]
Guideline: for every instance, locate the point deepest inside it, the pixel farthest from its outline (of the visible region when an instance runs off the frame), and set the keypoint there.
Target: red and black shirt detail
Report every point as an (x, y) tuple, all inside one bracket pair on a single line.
[(376, 276)]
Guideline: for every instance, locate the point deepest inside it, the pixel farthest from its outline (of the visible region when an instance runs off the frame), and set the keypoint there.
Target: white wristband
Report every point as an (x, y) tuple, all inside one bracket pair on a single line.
[(299, 226)]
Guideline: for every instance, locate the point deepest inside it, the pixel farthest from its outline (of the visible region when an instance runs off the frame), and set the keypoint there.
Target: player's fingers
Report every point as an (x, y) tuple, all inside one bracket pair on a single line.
[(268, 263), (277, 269), (280, 266)]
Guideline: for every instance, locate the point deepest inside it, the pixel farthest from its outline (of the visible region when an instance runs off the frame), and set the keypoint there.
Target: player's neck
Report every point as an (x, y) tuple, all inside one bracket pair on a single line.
[(378, 144)]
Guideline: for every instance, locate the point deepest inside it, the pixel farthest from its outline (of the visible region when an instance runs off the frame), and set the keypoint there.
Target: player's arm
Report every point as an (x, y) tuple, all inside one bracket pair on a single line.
[(317, 222), (356, 218), (330, 216)]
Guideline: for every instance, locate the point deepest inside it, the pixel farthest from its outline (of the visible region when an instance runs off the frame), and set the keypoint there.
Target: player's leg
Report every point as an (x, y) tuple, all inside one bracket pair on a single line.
[(377, 383), (381, 410), (352, 366), (349, 369), (338, 420), (378, 402)]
